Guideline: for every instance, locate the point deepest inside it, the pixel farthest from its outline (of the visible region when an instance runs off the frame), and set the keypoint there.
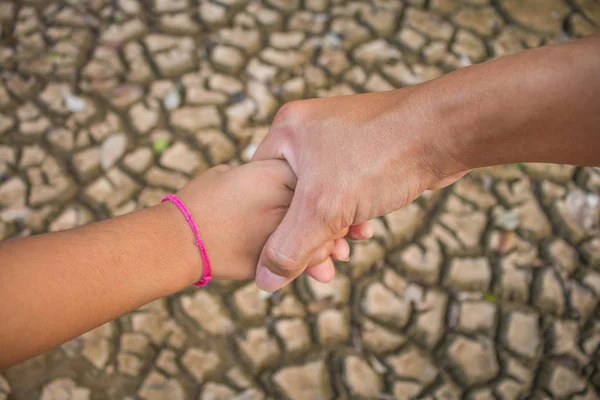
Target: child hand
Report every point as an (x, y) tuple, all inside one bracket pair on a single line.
[(237, 208)]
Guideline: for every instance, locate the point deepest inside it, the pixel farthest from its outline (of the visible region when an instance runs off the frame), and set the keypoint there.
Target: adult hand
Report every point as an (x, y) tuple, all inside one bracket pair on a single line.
[(356, 158), (359, 157)]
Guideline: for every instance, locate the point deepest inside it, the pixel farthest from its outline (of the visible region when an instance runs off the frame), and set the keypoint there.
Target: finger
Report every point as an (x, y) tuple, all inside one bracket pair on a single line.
[(322, 253), (288, 250), (278, 170), (341, 233), (324, 272), (341, 250), (362, 231)]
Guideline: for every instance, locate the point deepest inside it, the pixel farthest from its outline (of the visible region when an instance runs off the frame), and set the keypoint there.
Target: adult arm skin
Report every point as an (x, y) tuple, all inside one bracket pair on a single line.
[(361, 156), (56, 286)]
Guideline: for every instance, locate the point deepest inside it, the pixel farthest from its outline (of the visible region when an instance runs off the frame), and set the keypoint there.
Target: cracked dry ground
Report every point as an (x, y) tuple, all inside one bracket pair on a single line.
[(487, 289)]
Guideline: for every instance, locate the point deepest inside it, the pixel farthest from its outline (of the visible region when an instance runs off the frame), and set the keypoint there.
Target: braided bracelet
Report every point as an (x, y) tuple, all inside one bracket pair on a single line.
[(207, 275)]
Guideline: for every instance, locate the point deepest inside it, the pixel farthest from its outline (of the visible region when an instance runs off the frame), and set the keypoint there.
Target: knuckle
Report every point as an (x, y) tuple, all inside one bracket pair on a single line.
[(289, 111), (327, 206), (289, 117)]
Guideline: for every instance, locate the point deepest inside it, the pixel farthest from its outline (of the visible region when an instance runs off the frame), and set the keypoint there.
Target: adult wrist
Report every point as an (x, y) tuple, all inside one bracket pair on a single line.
[(438, 129), (456, 120)]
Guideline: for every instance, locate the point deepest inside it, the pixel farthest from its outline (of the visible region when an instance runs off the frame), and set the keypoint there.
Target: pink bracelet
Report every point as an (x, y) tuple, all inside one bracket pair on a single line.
[(207, 276)]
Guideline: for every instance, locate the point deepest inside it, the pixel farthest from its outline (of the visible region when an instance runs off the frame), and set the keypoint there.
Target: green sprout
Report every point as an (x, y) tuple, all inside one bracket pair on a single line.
[(160, 145), (55, 55), (490, 297)]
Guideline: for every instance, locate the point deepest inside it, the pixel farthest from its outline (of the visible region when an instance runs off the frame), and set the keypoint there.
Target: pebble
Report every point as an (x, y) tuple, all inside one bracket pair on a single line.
[(112, 150), (308, 381)]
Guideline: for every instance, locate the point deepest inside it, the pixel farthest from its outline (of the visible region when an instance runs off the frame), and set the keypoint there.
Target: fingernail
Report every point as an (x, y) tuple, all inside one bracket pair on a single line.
[(367, 231), (268, 281), (264, 295)]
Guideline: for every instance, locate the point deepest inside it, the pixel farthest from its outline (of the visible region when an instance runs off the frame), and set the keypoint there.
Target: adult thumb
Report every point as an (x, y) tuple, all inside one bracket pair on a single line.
[(289, 249)]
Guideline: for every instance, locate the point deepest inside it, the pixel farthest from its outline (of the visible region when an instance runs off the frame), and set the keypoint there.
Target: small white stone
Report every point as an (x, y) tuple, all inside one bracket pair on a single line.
[(333, 40), (465, 61), (172, 99), (249, 151), (74, 103), (508, 220)]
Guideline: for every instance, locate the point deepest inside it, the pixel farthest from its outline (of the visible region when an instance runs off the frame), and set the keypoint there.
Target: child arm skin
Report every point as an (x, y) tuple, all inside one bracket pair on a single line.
[(54, 287)]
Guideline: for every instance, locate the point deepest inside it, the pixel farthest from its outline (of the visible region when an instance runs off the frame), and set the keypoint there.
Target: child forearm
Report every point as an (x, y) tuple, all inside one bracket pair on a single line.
[(57, 286)]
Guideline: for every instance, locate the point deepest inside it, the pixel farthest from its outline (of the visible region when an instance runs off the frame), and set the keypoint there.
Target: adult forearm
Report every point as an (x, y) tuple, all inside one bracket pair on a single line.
[(540, 105), (54, 287), (359, 157)]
